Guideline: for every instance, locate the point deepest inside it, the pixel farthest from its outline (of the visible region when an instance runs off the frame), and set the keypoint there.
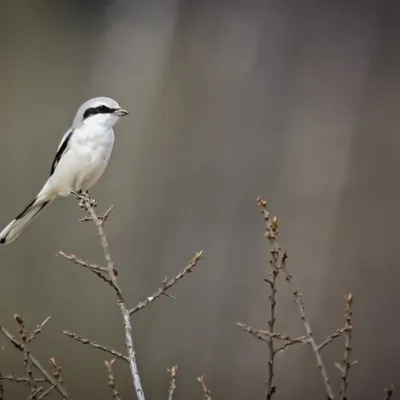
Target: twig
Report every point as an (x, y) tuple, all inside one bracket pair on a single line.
[(19, 379), (265, 335), (37, 330), (389, 392), (290, 340), (33, 395), (47, 392), (204, 388), (111, 379), (82, 263), (88, 206), (347, 363), (338, 333), (23, 335), (96, 345), (172, 386), (167, 284), (57, 373), (1, 379), (271, 233), (297, 299), (100, 271), (59, 387), (102, 218)]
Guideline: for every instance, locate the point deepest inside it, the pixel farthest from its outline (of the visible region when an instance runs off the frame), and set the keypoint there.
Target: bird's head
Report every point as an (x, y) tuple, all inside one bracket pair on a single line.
[(102, 111)]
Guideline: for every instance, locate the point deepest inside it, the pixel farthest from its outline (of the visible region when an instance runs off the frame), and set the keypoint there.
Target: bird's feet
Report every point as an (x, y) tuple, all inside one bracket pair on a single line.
[(84, 199)]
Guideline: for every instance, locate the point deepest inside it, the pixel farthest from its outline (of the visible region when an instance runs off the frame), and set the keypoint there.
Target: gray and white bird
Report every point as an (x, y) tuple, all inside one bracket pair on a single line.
[(81, 159)]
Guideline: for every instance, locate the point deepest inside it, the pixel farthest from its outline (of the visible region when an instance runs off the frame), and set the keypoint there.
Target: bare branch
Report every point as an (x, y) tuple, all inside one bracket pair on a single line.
[(100, 271), (18, 379), (204, 388), (389, 392), (172, 386), (265, 335), (102, 218), (34, 394), (23, 335), (329, 339), (48, 391), (1, 388), (57, 372), (298, 299), (49, 378), (37, 330), (347, 363), (1, 379), (167, 284), (87, 204), (271, 235), (111, 379), (96, 345)]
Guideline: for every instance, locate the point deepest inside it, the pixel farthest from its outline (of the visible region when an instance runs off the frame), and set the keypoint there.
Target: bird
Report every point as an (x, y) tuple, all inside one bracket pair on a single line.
[(80, 160)]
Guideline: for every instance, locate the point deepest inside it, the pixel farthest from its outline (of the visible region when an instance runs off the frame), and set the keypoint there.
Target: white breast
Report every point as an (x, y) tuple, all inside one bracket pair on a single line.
[(92, 148)]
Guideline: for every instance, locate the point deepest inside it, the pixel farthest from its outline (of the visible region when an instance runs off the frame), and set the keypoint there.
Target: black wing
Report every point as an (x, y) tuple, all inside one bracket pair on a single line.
[(62, 149)]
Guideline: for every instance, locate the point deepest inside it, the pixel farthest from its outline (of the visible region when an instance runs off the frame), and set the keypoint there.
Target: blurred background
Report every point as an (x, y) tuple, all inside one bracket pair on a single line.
[(297, 101)]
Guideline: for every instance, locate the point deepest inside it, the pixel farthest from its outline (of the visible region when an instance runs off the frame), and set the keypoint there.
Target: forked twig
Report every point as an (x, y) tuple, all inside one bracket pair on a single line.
[(46, 392), (167, 284), (111, 379), (298, 299), (88, 204), (48, 376)]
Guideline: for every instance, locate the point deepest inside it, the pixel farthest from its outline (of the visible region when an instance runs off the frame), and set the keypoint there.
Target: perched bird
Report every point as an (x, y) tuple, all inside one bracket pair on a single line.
[(80, 160)]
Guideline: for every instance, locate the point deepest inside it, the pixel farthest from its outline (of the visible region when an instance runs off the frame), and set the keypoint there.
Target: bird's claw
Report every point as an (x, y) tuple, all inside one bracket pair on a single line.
[(84, 199)]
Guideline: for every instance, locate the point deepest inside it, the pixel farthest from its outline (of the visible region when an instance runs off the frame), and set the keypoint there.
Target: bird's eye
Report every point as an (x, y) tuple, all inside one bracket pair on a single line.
[(103, 108)]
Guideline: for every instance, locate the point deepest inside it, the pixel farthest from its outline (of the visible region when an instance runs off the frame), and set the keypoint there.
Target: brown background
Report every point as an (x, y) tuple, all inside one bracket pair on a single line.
[(294, 100)]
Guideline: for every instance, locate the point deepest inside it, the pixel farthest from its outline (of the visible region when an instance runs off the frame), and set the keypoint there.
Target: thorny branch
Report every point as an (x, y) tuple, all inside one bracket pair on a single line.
[(206, 391), (109, 274), (23, 335), (96, 345), (55, 383), (266, 336), (275, 263), (298, 299), (111, 379), (271, 233), (88, 205), (344, 368), (167, 284), (172, 386), (18, 379), (278, 264), (86, 264)]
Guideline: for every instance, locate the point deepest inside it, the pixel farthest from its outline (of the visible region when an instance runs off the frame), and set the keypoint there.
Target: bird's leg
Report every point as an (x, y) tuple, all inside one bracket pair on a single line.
[(83, 198), (90, 199)]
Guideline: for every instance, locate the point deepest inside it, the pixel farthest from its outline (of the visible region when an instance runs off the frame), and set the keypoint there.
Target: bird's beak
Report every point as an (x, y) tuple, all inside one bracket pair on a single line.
[(120, 112)]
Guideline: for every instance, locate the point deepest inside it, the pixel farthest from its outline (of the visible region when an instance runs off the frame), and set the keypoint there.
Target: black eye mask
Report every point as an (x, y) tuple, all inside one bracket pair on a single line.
[(98, 110)]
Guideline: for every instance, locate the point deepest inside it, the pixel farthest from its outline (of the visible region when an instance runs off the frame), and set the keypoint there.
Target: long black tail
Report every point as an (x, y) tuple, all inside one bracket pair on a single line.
[(16, 226)]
